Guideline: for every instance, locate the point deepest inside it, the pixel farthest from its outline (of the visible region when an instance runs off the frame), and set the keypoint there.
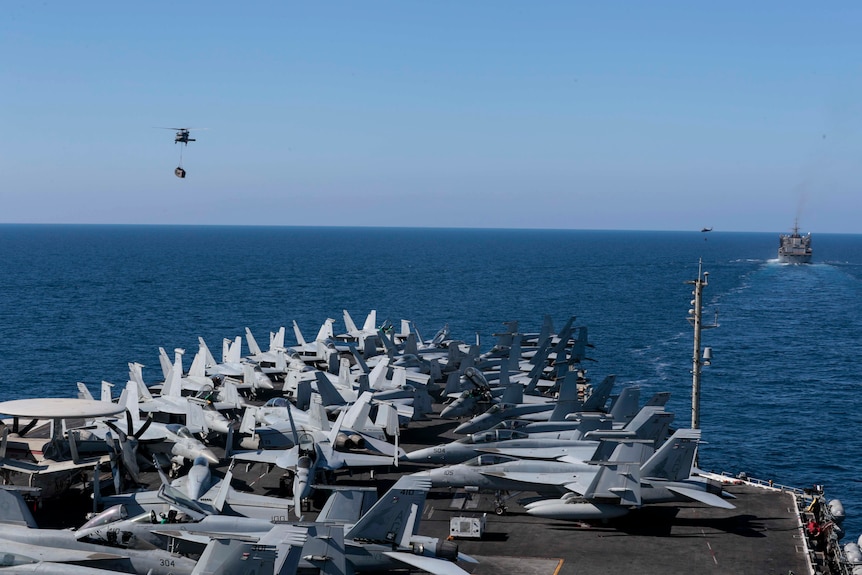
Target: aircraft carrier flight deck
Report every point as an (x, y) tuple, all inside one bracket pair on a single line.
[(764, 535)]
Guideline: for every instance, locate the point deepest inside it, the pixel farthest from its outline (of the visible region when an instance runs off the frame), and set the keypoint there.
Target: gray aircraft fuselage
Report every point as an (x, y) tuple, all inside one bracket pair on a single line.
[(471, 474), (460, 451), (141, 562)]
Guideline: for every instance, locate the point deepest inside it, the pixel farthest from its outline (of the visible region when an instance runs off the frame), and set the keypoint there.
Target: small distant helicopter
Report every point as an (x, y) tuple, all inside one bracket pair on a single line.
[(181, 137)]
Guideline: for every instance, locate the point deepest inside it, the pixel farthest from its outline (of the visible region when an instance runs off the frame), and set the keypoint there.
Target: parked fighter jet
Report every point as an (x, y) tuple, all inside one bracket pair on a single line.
[(366, 337), (356, 540), (651, 424), (203, 495), (313, 451), (665, 477), (267, 360), (171, 405), (318, 350), (533, 411), (30, 550), (499, 473), (20, 536)]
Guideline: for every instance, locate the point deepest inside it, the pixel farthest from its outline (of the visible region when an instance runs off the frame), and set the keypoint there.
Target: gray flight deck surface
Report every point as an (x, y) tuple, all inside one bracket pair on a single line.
[(762, 536)]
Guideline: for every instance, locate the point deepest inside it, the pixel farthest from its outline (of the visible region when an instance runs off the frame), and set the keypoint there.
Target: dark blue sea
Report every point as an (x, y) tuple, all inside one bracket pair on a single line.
[(779, 401)]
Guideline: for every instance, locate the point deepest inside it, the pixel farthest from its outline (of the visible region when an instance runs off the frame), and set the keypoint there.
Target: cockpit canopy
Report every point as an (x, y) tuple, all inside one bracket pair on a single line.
[(277, 402), (489, 459), (494, 435), (109, 515)]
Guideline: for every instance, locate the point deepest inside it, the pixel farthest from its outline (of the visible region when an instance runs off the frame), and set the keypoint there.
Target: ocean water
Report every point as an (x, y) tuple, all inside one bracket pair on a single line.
[(779, 401)]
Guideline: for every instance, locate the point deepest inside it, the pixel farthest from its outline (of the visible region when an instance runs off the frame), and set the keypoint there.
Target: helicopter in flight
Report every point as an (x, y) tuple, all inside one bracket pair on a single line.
[(181, 137)]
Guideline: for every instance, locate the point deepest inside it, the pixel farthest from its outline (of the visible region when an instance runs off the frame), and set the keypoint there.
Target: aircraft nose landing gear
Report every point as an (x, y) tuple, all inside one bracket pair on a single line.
[(500, 507)]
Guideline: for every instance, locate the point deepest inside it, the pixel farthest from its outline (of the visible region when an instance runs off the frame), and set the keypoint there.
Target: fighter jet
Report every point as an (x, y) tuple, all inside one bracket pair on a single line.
[(20, 536), (318, 350), (365, 338), (198, 494), (376, 539), (199, 414), (666, 477), (30, 550), (564, 474), (582, 443), (313, 451)]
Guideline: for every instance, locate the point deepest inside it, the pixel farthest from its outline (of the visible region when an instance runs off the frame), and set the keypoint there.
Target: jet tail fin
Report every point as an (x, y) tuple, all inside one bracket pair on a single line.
[(327, 391), (224, 488), (325, 331), (137, 375), (325, 550), (390, 518), (253, 347), (597, 399), (14, 510), (651, 422), (165, 362), (568, 401), (298, 334), (208, 355), (620, 476), (625, 406), (195, 420), (83, 392), (348, 323), (673, 460)]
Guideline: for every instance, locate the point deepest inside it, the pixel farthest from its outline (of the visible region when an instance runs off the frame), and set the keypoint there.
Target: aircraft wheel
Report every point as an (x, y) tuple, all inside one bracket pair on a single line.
[(500, 510)]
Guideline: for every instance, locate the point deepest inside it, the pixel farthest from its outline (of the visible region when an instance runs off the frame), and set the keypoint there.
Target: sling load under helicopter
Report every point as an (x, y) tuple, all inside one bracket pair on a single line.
[(182, 137)]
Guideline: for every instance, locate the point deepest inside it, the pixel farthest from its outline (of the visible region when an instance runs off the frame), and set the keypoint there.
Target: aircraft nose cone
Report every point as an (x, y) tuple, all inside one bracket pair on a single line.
[(220, 425), (211, 457), (420, 455), (451, 411), (466, 427)]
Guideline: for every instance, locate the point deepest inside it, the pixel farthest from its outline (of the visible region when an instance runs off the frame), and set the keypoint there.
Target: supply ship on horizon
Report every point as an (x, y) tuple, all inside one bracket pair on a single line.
[(794, 248)]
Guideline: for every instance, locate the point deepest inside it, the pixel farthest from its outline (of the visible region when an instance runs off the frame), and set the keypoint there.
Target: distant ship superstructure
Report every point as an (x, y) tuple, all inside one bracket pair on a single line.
[(794, 248)]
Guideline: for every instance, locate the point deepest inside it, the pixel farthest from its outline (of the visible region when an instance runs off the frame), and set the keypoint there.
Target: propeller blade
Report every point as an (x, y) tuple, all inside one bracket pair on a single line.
[(144, 427), (130, 428), (116, 429)]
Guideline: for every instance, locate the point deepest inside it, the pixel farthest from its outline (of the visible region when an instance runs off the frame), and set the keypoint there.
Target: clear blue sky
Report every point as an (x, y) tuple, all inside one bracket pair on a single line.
[(597, 115)]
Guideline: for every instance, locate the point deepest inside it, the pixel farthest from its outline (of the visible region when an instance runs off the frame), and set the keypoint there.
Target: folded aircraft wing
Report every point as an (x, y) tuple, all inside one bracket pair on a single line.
[(429, 564), (259, 456)]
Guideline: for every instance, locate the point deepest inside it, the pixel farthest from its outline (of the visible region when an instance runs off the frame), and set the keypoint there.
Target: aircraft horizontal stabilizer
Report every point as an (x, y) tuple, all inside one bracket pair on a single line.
[(270, 456), (429, 564), (701, 496), (381, 446)]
